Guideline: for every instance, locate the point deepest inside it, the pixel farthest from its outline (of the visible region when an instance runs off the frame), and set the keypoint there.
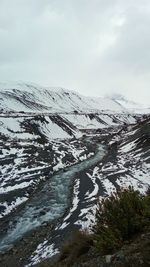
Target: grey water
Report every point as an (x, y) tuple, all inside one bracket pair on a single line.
[(49, 203)]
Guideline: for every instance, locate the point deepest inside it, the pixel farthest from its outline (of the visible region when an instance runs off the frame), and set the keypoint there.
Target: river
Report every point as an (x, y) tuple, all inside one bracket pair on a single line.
[(49, 203)]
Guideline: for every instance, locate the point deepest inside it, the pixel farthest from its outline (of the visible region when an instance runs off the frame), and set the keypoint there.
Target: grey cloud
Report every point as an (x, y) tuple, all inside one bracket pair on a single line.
[(132, 48), (95, 47)]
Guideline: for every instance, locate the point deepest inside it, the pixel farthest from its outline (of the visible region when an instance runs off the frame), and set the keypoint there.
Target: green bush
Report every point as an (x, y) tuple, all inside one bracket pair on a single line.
[(118, 218), (147, 205)]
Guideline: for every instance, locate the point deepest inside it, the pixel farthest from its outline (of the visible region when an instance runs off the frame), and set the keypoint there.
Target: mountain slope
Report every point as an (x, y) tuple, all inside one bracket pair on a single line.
[(131, 106), (25, 130), (28, 98)]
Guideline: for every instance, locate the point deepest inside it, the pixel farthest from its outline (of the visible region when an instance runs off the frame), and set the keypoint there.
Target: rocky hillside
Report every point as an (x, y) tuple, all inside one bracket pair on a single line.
[(30, 125), (126, 163), (123, 160), (59, 152)]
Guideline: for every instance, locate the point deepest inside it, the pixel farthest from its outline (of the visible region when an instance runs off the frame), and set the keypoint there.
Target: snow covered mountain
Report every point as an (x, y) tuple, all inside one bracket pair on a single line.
[(29, 97), (32, 98), (36, 119), (131, 106)]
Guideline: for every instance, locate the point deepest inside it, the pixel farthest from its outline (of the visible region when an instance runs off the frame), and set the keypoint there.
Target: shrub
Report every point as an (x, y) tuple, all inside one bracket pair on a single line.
[(118, 218), (79, 245), (147, 204)]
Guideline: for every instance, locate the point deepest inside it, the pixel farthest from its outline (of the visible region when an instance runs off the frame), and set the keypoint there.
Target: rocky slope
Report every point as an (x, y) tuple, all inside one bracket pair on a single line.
[(32, 131), (126, 163), (33, 147)]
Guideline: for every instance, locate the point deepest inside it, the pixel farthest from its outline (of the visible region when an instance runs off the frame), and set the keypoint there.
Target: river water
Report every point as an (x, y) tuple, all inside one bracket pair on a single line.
[(49, 203)]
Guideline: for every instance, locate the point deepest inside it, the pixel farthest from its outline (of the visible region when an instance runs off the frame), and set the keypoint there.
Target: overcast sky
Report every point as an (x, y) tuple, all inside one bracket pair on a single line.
[(95, 47)]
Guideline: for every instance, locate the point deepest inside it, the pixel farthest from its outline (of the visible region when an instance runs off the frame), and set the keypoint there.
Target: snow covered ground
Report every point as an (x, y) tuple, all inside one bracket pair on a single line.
[(28, 97), (31, 149), (99, 121)]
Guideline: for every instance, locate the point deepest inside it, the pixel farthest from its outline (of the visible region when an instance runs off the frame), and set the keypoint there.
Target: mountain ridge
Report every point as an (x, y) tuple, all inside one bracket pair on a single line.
[(29, 97)]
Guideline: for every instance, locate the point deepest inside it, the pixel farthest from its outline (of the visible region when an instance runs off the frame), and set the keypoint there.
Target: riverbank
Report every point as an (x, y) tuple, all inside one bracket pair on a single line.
[(27, 244)]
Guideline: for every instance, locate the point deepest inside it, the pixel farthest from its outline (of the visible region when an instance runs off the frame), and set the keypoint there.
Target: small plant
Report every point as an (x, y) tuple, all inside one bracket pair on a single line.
[(147, 205), (118, 218), (79, 245)]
